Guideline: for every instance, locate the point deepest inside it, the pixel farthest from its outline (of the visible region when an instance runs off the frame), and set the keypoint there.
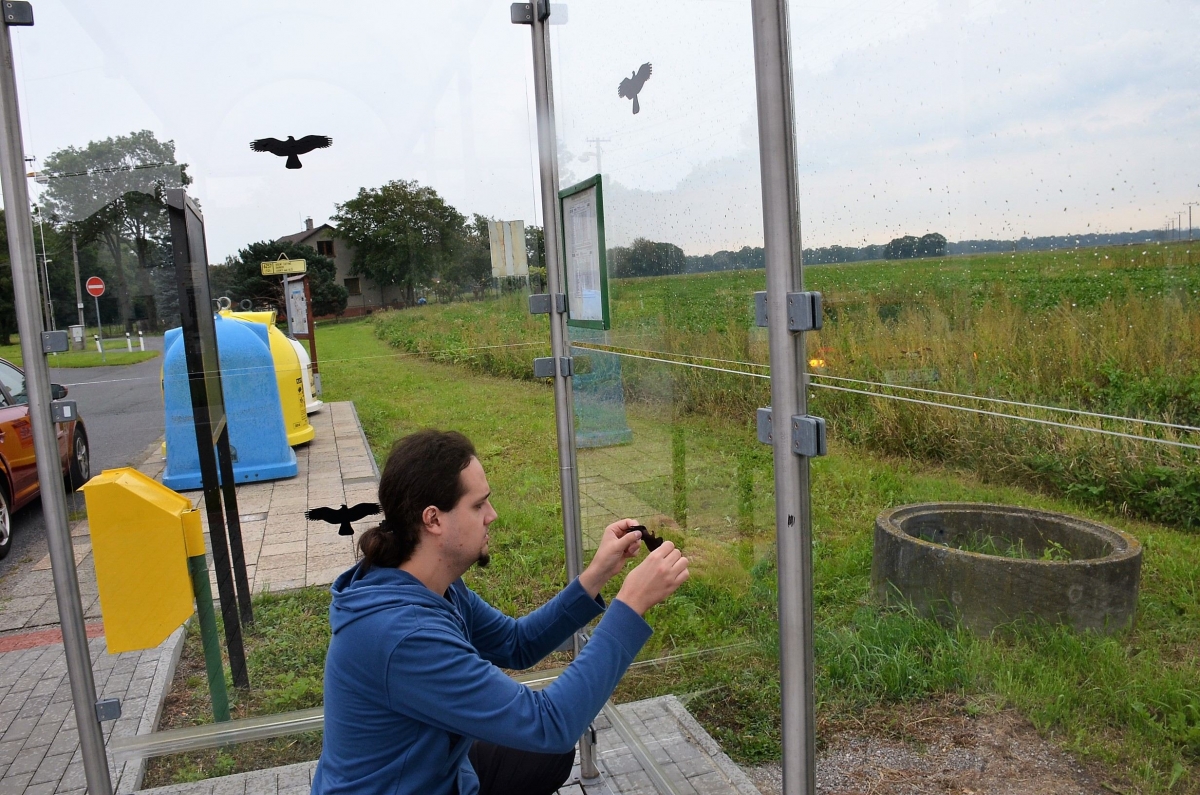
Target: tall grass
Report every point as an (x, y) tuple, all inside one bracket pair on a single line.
[(1113, 331)]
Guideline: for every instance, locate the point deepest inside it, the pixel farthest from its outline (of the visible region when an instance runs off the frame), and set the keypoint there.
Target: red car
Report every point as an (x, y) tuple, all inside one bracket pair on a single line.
[(18, 463)]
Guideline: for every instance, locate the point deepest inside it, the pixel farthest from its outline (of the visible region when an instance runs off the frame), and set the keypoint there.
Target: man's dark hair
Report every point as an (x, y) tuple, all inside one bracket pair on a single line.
[(423, 469)]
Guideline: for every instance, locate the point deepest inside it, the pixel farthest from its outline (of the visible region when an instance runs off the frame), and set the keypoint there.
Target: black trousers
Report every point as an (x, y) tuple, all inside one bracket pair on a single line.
[(507, 771)]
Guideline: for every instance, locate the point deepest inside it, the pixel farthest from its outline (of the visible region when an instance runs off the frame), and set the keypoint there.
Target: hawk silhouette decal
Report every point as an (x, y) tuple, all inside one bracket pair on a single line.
[(632, 85), (291, 147), (342, 516)]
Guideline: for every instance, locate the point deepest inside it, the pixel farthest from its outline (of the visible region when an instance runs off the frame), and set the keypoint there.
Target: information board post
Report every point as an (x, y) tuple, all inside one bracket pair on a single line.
[(199, 338), (296, 290)]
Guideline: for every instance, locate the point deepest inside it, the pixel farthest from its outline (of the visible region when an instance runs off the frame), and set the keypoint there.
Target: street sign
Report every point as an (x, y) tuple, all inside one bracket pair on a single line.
[(95, 286), (283, 266)]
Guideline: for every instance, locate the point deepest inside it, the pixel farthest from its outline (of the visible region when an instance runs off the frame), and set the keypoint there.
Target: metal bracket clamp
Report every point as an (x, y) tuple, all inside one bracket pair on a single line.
[(522, 13), (543, 367), (64, 410), (803, 309), (108, 709), (18, 13), (808, 436), (539, 304), (808, 433)]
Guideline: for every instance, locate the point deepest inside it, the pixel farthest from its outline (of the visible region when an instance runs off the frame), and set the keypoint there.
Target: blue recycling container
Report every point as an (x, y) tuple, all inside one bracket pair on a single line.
[(257, 434)]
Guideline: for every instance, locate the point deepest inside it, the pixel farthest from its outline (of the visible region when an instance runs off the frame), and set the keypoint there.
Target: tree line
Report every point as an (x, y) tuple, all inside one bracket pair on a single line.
[(105, 204)]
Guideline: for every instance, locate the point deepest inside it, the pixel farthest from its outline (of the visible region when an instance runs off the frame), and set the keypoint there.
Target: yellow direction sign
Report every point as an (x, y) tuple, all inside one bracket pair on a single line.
[(284, 266)]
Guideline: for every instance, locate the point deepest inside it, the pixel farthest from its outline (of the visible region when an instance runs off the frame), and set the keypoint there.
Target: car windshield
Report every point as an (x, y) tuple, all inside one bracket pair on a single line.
[(14, 381)]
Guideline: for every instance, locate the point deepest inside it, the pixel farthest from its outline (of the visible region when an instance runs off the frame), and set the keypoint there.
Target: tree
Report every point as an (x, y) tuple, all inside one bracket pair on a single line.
[(402, 233), (647, 258), (113, 192), (241, 277), (931, 245), (901, 248), (471, 265)]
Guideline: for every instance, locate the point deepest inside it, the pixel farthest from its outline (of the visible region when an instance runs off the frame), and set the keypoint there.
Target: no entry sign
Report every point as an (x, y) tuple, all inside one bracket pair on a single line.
[(95, 286)]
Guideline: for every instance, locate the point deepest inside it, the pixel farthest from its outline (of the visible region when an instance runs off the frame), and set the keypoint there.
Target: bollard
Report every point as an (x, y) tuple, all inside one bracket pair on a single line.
[(141, 342), (98, 348), (128, 342)]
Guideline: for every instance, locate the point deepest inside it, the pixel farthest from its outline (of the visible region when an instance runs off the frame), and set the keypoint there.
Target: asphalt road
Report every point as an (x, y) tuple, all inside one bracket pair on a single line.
[(123, 411)]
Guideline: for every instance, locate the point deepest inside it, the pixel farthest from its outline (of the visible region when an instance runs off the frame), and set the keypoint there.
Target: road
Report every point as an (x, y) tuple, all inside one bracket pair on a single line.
[(123, 411)]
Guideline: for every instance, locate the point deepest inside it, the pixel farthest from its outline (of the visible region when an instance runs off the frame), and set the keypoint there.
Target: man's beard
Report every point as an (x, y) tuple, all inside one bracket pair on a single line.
[(484, 560)]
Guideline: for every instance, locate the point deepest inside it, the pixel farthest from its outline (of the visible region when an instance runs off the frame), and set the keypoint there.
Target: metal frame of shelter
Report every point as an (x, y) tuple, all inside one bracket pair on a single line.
[(784, 309)]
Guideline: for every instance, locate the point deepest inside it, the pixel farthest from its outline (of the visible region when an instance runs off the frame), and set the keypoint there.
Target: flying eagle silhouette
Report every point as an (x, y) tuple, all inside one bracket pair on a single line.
[(291, 147), (343, 516), (631, 85)]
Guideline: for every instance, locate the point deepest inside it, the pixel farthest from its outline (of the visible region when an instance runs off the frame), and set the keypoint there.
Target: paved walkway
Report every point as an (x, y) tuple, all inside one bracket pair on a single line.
[(683, 751), (39, 749)]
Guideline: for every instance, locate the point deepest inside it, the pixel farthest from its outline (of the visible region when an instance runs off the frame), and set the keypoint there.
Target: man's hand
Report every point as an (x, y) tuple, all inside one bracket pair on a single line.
[(654, 579), (616, 546)]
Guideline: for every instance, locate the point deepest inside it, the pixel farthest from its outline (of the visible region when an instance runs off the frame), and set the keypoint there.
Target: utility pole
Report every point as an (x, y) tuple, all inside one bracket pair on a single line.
[(45, 441), (78, 287), (596, 154), (1190, 205)]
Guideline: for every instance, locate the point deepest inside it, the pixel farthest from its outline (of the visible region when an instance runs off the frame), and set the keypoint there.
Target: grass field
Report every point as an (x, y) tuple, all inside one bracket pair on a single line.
[(1128, 705), (1112, 330), (80, 358)]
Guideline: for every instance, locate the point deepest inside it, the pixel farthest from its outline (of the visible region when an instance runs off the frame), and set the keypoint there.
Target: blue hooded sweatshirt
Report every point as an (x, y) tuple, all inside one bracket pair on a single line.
[(412, 678)]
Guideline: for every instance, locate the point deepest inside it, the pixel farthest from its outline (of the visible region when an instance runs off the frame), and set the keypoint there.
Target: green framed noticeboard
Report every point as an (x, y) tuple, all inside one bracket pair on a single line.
[(582, 210)]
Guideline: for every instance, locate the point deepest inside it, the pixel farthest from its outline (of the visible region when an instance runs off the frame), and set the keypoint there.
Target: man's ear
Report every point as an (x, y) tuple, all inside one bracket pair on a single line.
[(431, 519)]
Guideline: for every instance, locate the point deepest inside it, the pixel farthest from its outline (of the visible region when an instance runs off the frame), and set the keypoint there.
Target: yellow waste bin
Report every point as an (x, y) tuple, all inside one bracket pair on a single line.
[(142, 536), (288, 374)]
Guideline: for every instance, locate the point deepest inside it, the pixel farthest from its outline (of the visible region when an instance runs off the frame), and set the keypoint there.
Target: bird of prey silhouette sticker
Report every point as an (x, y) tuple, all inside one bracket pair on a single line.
[(631, 86), (343, 516), (291, 148)]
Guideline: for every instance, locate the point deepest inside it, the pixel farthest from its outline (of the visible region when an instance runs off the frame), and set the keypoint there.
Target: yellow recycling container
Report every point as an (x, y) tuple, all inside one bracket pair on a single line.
[(142, 536), (288, 375)]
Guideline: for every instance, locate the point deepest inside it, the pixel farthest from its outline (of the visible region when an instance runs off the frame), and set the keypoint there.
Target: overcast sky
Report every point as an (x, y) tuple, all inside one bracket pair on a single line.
[(974, 119)]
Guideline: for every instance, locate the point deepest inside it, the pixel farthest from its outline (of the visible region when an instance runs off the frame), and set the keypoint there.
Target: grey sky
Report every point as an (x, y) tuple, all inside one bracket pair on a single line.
[(975, 119)]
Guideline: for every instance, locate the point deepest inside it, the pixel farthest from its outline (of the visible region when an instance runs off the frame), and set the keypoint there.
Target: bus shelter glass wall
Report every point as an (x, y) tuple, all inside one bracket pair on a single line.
[(667, 382), (1002, 229), (433, 127)]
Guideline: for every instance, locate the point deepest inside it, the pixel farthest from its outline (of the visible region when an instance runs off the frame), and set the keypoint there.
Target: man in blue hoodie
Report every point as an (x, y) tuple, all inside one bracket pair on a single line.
[(416, 702)]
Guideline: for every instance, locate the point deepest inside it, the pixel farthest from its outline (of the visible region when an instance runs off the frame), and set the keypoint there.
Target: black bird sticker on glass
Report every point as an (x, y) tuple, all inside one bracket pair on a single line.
[(651, 541), (632, 85), (291, 148), (342, 516)]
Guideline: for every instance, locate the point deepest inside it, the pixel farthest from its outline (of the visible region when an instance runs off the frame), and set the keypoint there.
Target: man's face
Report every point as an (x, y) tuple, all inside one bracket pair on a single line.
[(467, 524)]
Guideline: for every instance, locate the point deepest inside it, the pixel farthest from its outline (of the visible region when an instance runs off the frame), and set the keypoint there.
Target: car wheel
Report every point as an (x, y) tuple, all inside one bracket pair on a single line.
[(81, 459), (5, 526)]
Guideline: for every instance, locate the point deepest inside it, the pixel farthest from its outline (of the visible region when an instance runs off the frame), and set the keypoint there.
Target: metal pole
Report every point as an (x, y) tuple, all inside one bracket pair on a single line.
[(198, 568), (46, 274), (78, 285), (785, 273), (37, 379), (99, 330), (564, 410)]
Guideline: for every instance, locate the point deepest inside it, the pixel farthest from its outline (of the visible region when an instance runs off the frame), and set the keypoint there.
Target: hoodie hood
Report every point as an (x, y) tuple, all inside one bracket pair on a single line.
[(358, 594)]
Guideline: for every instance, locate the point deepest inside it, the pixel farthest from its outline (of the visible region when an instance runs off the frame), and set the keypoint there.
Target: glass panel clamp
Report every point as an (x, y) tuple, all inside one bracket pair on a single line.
[(808, 433), (804, 310), (539, 304)]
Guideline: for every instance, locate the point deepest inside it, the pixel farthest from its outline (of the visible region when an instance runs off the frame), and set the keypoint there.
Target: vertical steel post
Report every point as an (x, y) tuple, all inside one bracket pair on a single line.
[(564, 410), (45, 442), (785, 273)]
